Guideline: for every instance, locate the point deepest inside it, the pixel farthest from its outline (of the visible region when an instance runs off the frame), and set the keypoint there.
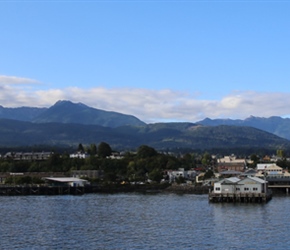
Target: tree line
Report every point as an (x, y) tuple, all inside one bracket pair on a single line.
[(145, 163)]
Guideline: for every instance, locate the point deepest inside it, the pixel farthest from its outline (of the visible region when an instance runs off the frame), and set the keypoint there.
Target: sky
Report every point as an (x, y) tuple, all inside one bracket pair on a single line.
[(161, 61)]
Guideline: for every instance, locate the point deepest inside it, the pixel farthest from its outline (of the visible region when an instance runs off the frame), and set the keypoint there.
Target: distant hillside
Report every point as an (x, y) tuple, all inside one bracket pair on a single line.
[(68, 112), (63, 123), (159, 136), (20, 114), (275, 125), (205, 137)]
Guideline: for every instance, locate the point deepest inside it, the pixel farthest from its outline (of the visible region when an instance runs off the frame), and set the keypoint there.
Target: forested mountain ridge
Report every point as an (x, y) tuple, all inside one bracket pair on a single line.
[(160, 136), (66, 124), (274, 124), (21, 113), (69, 112)]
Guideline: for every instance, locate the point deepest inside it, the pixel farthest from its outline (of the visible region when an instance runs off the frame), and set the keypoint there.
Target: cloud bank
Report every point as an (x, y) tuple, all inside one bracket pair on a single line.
[(148, 105), (16, 80)]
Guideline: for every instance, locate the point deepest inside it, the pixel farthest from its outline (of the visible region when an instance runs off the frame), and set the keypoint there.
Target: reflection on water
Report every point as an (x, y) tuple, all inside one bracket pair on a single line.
[(135, 221)]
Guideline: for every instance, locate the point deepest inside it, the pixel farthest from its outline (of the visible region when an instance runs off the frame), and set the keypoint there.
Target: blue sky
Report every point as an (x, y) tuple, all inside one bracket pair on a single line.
[(158, 60)]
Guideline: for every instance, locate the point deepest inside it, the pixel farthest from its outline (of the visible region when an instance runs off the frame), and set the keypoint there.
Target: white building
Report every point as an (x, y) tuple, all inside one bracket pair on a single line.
[(186, 174), (79, 155), (270, 168), (227, 185), (175, 174), (235, 185), (66, 181)]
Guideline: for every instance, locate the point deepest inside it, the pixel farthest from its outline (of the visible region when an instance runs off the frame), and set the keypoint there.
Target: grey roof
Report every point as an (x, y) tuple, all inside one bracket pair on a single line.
[(257, 179), (64, 179), (230, 172), (249, 172), (233, 179), (230, 180)]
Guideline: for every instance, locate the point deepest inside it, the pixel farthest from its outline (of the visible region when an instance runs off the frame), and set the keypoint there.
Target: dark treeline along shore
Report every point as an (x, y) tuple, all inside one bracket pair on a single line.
[(144, 170)]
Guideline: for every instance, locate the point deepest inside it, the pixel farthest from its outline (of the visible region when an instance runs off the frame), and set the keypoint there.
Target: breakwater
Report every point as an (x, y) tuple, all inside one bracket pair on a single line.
[(79, 190), (108, 188), (40, 190), (240, 197)]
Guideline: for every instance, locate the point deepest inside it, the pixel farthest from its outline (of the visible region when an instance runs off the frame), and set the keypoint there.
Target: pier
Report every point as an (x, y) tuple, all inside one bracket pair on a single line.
[(11, 190), (40, 190), (240, 197)]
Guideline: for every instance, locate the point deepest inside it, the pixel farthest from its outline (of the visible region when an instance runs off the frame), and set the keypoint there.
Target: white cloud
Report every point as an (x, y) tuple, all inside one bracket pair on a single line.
[(16, 80), (150, 105)]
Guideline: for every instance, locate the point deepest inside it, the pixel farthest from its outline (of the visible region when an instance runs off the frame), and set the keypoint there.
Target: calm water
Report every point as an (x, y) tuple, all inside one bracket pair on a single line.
[(135, 221)]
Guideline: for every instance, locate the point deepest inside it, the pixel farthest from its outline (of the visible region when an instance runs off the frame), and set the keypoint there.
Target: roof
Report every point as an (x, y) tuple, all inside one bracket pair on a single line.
[(249, 172), (230, 180), (268, 166), (233, 179), (64, 179), (231, 172), (256, 179), (231, 159)]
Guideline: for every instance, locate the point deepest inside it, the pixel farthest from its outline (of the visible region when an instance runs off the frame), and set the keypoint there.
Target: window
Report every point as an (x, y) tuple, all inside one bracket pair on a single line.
[(246, 189), (255, 189), (217, 189), (238, 189)]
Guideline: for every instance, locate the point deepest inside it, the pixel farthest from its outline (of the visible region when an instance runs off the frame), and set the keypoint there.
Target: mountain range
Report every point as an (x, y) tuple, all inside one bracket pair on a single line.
[(276, 125), (68, 112), (67, 124)]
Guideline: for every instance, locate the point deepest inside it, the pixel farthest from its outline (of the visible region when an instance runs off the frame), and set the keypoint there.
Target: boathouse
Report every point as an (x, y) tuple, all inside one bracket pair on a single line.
[(227, 185), (235, 189), (235, 185), (66, 181), (252, 185)]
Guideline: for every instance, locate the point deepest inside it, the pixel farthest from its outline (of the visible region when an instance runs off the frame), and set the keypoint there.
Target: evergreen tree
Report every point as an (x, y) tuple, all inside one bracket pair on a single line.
[(104, 150)]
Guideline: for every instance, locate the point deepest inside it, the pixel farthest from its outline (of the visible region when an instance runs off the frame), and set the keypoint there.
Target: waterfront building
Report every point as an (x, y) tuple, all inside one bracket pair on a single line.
[(66, 181), (236, 185), (227, 185), (234, 189)]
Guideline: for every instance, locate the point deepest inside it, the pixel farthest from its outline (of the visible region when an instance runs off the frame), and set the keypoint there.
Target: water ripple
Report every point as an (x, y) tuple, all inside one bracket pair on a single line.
[(134, 221)]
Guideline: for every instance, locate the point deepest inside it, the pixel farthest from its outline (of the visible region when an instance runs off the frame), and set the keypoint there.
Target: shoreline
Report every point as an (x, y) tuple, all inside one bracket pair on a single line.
[(108, 188)]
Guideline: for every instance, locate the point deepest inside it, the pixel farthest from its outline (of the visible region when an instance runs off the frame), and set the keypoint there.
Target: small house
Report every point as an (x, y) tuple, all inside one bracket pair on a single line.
[(227, 185), (252, 185), (66, 181), (235, 185), (248, 189)]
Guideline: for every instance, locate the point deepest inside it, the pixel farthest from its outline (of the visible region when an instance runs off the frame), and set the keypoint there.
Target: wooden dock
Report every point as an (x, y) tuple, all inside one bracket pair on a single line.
[(240, 197), (10, 190), (40, 190)]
